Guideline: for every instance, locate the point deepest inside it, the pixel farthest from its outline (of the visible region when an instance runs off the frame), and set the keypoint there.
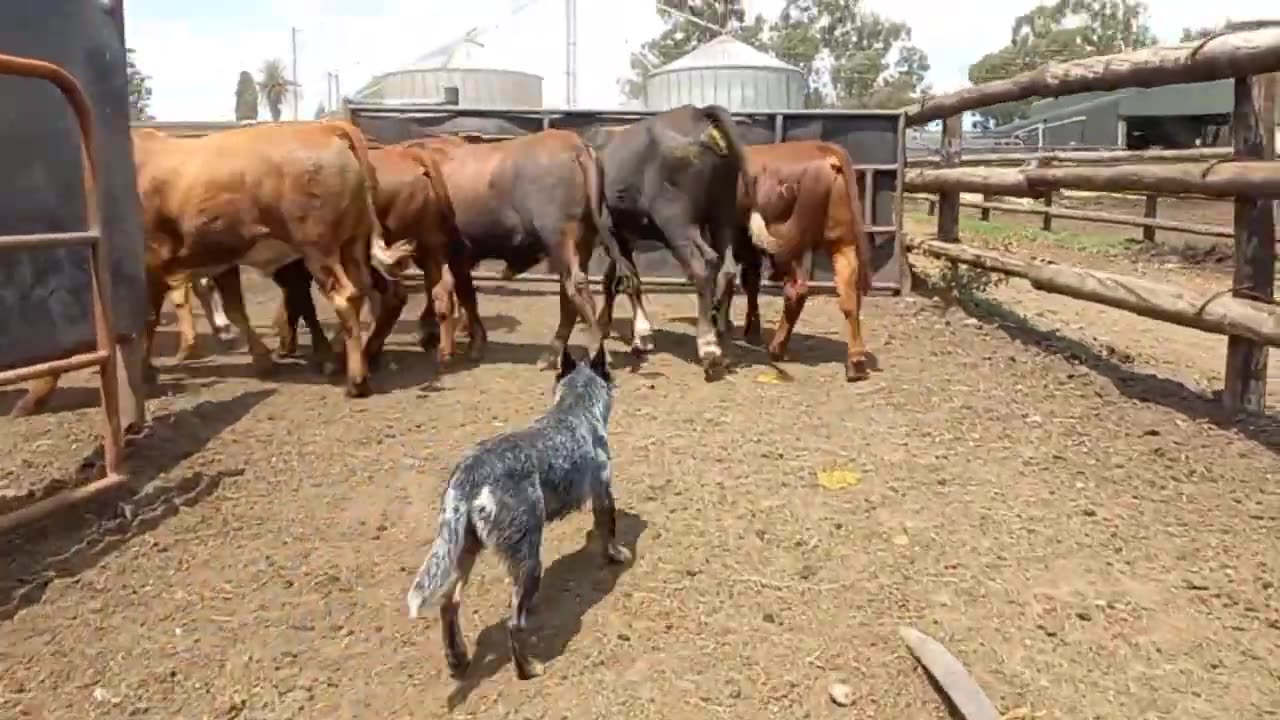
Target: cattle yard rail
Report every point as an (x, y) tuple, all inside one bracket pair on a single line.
[(103, 356), (1246, 312), (873, 138), (918, 175)]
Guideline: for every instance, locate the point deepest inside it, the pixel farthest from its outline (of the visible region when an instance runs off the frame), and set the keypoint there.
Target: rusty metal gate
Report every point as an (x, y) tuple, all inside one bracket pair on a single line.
[(71, 272), (874, 139)]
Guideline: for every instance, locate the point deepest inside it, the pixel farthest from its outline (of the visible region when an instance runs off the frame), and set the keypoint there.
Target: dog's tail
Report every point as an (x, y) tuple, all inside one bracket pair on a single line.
[(440, 570)]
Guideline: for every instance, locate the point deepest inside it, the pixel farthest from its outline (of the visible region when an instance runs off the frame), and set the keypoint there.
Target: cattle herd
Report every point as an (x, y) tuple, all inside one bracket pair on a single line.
[(308, 202)]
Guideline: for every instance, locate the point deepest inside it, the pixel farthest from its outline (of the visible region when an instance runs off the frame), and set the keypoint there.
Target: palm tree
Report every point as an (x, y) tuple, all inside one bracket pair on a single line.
[(273, 86)]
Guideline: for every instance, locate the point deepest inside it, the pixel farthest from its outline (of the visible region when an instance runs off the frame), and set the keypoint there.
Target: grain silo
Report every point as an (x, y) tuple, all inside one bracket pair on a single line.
[(729, 73), (480, 82)]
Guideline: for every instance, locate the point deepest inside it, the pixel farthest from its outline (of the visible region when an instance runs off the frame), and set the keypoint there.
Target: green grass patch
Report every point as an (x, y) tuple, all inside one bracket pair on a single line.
[(995, 232)]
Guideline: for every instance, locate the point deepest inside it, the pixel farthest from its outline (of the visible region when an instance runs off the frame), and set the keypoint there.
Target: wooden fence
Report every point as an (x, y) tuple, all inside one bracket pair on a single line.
[(1246, 312), (918, 176)]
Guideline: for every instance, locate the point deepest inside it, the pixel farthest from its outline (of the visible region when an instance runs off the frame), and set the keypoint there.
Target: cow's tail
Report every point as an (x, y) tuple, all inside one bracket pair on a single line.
[(440, 570), (863, 245), (382, 256), (721, 120), (593, 170)]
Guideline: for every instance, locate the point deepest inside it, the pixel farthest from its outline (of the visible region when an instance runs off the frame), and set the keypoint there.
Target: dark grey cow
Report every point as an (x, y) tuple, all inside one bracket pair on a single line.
[(670, 178)]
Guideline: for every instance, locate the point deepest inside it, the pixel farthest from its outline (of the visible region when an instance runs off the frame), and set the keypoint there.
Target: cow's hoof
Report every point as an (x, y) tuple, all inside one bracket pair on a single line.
[(444, 358), (263, 367), (549, 361), (475, 352), (359, 388), (616, 554), (855, 370), (184, 354), (643, 344), (24, 408), (753, 337), (530, 670), (458, 666), (777, 354), (428, 343)]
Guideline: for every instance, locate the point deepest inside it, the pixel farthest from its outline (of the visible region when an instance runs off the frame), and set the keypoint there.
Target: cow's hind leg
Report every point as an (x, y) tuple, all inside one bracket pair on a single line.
[(569, 260), (844, 263), (294, 280), (460, 265), (38, 393), (685, 239), (751, 276), (345, 281), (228, 284), (180, 296), (794, 295), (455, 646), (211, 305), (394, 298)]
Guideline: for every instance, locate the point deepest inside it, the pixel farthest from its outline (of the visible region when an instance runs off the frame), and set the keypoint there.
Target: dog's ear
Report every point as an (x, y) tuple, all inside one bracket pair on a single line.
[(567, 364), (600, 364)]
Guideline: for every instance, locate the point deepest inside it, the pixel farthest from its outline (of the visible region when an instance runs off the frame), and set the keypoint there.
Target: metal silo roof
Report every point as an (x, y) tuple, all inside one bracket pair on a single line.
[(725, 52)]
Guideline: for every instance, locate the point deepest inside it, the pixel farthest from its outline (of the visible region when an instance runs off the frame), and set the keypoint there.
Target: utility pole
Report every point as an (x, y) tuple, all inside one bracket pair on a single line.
[(570, 53), (293, 43)]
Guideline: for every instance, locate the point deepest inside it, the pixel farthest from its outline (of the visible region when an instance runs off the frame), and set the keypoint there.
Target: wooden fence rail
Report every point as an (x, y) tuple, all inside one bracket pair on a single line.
[(1246, 312), (1082, 157), (1148, 222)]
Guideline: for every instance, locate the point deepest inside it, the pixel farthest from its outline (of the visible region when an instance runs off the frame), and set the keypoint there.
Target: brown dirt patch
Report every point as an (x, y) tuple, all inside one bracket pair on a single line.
[(1083, 541)]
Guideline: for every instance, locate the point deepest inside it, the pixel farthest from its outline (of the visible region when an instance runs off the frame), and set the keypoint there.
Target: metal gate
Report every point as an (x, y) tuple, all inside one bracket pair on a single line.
[(874, 139), (71, 267)]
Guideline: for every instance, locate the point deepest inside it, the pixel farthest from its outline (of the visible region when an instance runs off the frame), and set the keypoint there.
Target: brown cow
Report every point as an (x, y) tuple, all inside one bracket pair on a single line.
[(801, 197), (261, 196), (522, 201), (414, 210)]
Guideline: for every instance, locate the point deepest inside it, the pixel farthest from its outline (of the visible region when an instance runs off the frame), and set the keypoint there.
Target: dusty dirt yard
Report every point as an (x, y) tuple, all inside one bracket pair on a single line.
[(1068, 519)]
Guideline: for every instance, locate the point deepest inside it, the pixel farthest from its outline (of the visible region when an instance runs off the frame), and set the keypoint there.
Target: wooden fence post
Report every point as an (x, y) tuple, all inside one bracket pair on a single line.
[(1047, 223), (986, 211), (1149, 212), (949, 201), (1252, 138)]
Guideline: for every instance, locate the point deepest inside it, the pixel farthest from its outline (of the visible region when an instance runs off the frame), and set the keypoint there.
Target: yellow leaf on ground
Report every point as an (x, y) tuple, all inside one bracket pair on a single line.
[(838, 478), (769, 378)]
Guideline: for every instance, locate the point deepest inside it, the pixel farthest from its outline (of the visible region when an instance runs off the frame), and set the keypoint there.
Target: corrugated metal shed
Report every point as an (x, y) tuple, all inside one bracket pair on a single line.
[(1207, 98), (727, 72)]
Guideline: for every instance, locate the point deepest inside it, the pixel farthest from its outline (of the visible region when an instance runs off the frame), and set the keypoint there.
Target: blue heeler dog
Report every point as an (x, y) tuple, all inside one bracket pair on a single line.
[(506, 488)]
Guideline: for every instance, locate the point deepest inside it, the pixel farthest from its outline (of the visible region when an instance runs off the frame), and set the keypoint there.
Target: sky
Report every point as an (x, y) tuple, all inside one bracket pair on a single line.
[(194, 51)]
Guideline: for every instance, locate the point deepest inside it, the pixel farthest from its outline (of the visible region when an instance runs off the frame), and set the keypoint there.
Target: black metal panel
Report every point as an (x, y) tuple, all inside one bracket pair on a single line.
[(46, 309), (872, 138), (389, 129)]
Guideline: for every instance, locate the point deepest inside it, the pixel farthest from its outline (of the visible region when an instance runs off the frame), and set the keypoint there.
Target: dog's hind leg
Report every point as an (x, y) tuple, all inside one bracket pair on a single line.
[(606, 521), (455, 647), (525, 565)]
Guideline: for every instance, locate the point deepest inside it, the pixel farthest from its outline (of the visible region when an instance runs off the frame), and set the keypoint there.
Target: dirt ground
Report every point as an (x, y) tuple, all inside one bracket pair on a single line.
[(1062, 511)]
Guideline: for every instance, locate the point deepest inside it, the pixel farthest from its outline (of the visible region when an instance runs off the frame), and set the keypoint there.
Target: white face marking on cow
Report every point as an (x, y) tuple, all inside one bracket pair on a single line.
[(267, 256)]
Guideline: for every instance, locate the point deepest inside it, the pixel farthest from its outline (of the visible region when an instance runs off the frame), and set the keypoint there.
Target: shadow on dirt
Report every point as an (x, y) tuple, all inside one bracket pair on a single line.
[(571, 586), (1134, 384), (78, 538), (82, 397)]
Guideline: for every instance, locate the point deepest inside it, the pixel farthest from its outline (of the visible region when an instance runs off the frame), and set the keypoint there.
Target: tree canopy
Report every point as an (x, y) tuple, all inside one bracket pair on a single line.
[(273, 87), (1058, 32), (139, 89), (246, 97), (851, 57)]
